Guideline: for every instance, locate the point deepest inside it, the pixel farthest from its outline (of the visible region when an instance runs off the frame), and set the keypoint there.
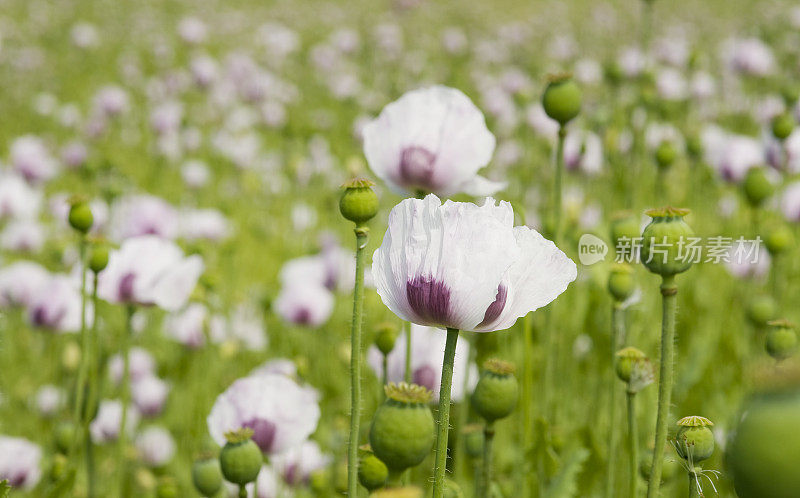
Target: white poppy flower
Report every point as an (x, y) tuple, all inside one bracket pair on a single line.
[(155, 446), (20, 462), (281, 413), (433, 140), (464, 266)]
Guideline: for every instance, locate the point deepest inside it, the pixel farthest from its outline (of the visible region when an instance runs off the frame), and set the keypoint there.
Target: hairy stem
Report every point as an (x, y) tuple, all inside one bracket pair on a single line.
[(633, 446), (126, 399), (486, 481), (355, 363), (617, 336), (444, 413), (668, 293)]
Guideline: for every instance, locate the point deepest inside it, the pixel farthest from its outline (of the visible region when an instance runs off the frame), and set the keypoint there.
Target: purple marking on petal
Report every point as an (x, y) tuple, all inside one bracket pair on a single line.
[(263, 433), (292, 475), (125, 290), (430, 300), (496, 308), (302, 317), (18, 479), (425, 376), (416, 166)]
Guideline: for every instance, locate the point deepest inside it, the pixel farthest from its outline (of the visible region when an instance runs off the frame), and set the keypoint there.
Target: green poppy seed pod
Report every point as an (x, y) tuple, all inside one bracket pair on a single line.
[(372, 473), (621, 282), (63, 436), (666, 153), (452, 489), (757, 187), (613, 73), (98, 257), (562, 98), (497, 391), (473, 440), (80, 216), (624, 361), (625, 226), (761, 309), (664, 241), (781, 339), (764, 448), (779, 240), (359, 203), (694, 147), (402, 431), (694, 440), (167, 488), (240, 459), (207, 476), (782, 126), (385, 337)]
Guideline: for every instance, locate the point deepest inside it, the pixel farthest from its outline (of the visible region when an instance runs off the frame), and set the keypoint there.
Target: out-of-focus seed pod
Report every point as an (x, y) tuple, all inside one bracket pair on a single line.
[(80, 215), (664, 241), (385, 337), (761, 309), (562, 98), (781, 340), (497, 391), (782, 126), (779, 239), (757, 187), (98, 257), (372, 472), (207, 476), (666, 153), (621, 282), (473, 440)]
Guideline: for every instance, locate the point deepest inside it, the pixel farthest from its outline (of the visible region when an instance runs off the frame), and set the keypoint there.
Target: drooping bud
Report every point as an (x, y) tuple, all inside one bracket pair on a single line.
[(497, 391), (694, 441), (621, 282), (240, 459), (385, 337), (664, 241), (207, 476), (402, 431), (562, 98), (359, 203), (80, 215), (781, 339)]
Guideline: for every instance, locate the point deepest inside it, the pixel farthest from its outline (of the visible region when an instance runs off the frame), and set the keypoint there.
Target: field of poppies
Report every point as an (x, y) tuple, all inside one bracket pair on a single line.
[(399, 249)]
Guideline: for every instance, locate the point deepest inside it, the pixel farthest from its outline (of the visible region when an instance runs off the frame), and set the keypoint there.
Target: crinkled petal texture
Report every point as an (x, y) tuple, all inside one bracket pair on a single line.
[(534, 280), (281, 413), (465, 266), (433, 139), (441, 264)]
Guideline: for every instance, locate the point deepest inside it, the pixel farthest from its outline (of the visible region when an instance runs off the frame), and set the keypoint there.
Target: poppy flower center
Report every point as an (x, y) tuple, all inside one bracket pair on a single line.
[(425, 376), (416, 166), (429, 299), (263, 433)]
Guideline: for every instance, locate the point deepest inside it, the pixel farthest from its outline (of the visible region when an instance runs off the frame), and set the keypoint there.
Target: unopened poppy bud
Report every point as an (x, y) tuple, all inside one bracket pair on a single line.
[(473, 440), (207, 476), (240, 459), (694, 441), (98, 257), (781, 339), (562, 98), (624, 360), (80, 215), (666, 154), (402, 431), (372, 472), (782, 126), (359, 202), (761, 309), (757, 186), (779, 240), (497, 391), (621, 282), (664, 240), (385, 338)]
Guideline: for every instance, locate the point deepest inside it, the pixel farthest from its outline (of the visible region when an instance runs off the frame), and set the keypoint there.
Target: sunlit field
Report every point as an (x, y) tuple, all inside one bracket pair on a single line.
[(399, 249)]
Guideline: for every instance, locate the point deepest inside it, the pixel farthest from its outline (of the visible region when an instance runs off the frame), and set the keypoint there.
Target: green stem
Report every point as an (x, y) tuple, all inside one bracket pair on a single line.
[(80, 384), (408, 354), (527, 389), (385, 365), (562, 133), (91, 401), (694, 489), (668, 292), (362, 234), (444, 413), (126, 399), (633, 446), (242, 491), (486, 481), (617, 336)]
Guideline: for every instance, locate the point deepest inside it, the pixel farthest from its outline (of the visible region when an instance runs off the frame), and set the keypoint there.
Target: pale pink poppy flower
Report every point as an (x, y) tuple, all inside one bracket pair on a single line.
[(281, 413), (49, 399), (74, 154), (282, 366), (84, 35), (188, 325), (702, 85), (296, 464), (17, 198), (454, 40), (56, 305), (729, 154), (148, 271), (632, 62), (136, 215), (540, 122), (673, 50), (434, 140), (790, 202), (749, 56), (204, 69), (588, 71), (20, 283), (427, 353), (671, 84), (155, 446), (105, 427), (149, 395), (20, 462), (583, 151), (30, 158), (464, 266), (279, 40), (23, 235), (195, 174), (748, 259), (142, 365), (166, 117), (204, 224), (111, 101), (192, 30), (304, 304)]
